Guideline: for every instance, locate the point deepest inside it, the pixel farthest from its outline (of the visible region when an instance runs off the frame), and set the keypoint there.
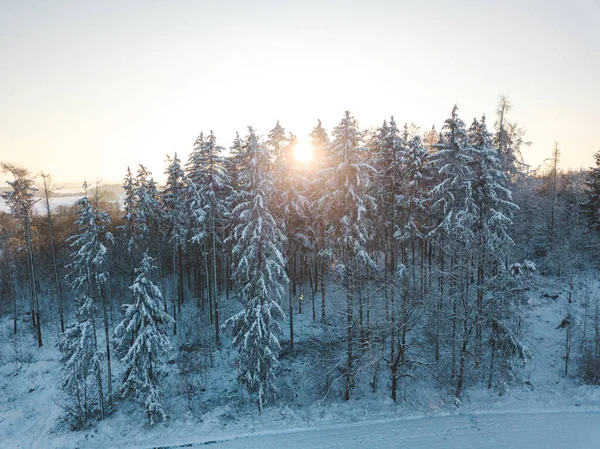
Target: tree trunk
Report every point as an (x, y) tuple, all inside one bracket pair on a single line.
[(461, 368), (107, 336), (215, 294), (54, 265), (349, 318), (36, 302), (174, 294), (322, 282), (180, 278), (98, 374), (440, 306), (313, 287), (291, 312), (394, 382), (490, 377), (208, 287), (14, 297)]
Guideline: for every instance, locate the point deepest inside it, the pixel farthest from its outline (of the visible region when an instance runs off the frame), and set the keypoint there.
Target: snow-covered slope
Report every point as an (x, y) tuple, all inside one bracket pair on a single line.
[(552, 430), (546, 410)]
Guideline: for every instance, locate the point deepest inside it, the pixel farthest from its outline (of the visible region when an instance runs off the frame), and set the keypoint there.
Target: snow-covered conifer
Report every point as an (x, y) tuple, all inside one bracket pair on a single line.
[(173, 199), (322, 247), (87, 269), (592, 206), (277, 142), (146, 208), (319, 142), (208, 184), (87, 275), (81, 359), (259, 271), (494, 201), (386, 148), (141, 340), (452, 197), (414, 185), (345, 205), (129, 200), (176, 221)]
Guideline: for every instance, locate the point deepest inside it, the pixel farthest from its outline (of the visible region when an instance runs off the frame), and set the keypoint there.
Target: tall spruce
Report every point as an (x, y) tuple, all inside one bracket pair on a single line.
[(322, 248), (259, 271), (345, 205), (176, 222), (87, 275), (129, 225), (209, 183), (141, 340)]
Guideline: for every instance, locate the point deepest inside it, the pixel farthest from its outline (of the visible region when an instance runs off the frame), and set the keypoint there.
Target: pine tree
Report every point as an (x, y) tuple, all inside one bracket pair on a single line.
[(386, 148), (259, 272), (289, 207), (175, 219), (146, 211), (415, 179), (141, 339), (277, 143), (452, 196), (323, 253), (319, 142), (591, 207), (494, 201), (454, 212), (345, 207), (129, 227), (237, 160), (20, 201), (81, 361), (87, 276), (209, 187)]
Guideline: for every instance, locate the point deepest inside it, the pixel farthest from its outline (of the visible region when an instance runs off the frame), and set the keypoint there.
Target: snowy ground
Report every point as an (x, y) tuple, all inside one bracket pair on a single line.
[(546, 410), (552, 430)]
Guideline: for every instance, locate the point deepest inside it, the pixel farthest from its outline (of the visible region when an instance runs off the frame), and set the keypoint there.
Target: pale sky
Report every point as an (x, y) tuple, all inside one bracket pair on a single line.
[(89, 87)]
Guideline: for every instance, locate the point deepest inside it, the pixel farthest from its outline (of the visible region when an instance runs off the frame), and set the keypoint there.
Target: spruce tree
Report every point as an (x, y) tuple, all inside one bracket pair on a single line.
[(591, 207), (454, 214), (81, 364), (128, 218), (209, 188), (260, 274), (345, 206), (141, 340), (147, 212), (176, 224), (322, 247), (452, 197), (289, 207), (87, 275)]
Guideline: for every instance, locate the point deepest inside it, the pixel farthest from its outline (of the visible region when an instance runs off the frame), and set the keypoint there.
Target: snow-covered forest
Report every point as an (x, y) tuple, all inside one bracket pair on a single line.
[(397, 265)]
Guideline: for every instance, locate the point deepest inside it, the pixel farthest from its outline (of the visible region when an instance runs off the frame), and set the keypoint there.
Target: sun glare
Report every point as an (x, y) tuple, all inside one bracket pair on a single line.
[(303, 151)]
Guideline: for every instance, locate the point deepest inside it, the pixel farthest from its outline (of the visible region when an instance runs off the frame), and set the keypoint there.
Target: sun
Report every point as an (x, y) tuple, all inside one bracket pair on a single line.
[(303, 151)]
